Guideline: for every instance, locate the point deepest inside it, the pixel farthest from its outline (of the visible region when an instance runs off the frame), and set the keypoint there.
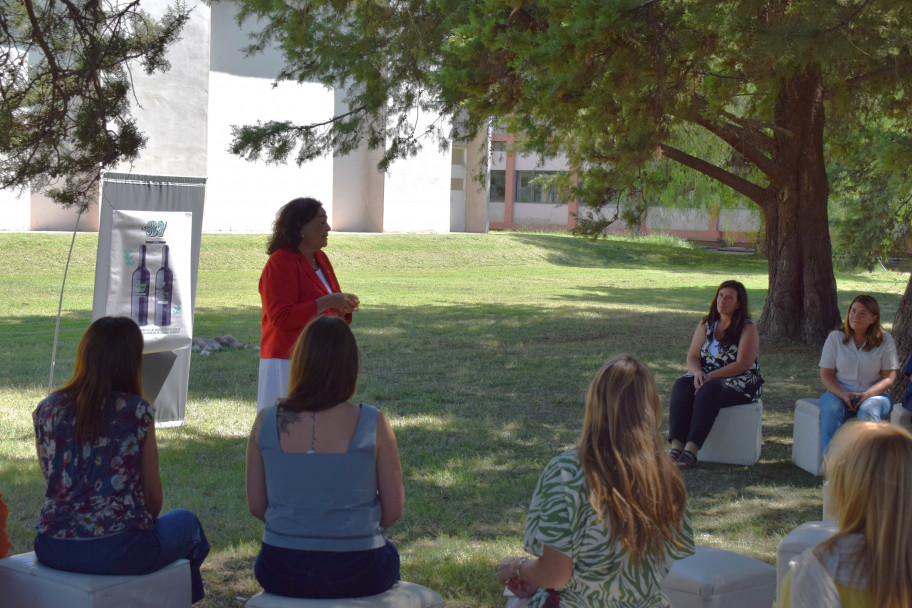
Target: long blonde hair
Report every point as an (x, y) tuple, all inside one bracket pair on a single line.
[(869, 467), (631, 480)]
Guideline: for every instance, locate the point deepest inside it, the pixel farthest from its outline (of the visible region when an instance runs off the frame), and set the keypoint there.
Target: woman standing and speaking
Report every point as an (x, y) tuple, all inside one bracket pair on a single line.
[(297, 284)]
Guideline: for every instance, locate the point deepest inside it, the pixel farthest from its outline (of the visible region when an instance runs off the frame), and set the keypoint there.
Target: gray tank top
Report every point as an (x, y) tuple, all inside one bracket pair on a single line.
[(322, 502)]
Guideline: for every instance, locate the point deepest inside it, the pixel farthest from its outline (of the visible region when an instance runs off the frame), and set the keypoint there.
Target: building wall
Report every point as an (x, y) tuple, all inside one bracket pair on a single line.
[(172, 107), (243, 195), (416, 192), (357, 186), (188, 112), (513, 213), (14, 210), (735, 226)]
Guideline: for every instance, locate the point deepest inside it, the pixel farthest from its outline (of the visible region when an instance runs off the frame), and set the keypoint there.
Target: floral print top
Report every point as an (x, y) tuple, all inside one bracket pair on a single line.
[(562, 518), (93, 489), (748, 383)]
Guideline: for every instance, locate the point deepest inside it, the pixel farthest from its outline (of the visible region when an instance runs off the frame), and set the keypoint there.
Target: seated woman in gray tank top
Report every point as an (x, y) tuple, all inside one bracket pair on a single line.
[(324, 475)]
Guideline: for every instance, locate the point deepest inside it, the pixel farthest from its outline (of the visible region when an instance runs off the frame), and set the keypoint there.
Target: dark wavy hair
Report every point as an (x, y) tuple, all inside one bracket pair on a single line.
[(286, 229), (108, 359), (874, 335), (325, 365), (733, 333)]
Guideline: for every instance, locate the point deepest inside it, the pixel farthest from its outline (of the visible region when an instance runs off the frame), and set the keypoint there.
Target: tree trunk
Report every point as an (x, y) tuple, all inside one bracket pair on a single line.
[(902, 335), (801, 303)]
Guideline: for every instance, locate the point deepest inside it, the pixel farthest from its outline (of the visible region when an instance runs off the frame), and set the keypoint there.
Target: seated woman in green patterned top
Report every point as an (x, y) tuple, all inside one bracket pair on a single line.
[(609, 517)]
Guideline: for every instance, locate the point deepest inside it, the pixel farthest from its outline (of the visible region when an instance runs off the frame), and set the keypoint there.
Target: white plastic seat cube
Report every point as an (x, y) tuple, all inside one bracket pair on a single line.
[(715, 578), (26, 583), (806, 436), (900, 416), (804, 536), (735, 436), (402, 595)]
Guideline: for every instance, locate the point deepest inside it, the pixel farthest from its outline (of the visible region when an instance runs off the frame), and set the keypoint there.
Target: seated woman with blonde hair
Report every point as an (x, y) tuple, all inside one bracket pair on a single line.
[(609, 517), (868, 562)]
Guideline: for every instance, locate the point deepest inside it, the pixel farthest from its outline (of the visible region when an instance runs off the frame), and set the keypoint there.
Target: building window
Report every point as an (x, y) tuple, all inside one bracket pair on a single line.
[(458, 156), (456, 183), (497, 188), (527, 191)]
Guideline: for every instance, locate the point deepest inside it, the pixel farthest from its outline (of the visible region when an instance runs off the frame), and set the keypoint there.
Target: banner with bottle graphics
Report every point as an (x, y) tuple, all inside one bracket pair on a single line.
[(146, 267), (150, 275)]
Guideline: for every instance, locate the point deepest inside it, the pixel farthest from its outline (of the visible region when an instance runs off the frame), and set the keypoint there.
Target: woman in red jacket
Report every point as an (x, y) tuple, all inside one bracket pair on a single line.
[(297, 284)]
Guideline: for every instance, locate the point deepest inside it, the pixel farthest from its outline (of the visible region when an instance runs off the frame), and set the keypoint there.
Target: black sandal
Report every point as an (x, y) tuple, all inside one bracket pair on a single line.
[(674, 454), (687, 460)]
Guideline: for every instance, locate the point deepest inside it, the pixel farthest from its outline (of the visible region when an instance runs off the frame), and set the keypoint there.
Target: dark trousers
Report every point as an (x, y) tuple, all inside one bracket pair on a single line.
[(691, 413), (327, 574)]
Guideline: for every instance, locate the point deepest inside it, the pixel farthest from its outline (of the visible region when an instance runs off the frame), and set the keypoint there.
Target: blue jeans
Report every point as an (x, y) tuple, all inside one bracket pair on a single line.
[(177, 534), (834, 412), (327, 574)]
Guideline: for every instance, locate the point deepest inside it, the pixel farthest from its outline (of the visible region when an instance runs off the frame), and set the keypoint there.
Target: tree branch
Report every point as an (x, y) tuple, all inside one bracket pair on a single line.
[(746, 142), (901, 69), (736, 183)]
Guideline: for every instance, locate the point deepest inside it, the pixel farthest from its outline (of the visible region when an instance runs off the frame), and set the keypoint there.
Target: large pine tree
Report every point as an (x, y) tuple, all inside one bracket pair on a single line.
[(611, 83)]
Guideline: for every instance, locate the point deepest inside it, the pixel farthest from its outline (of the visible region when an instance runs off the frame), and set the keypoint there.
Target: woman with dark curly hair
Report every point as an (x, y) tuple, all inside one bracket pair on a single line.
[(297, 284)]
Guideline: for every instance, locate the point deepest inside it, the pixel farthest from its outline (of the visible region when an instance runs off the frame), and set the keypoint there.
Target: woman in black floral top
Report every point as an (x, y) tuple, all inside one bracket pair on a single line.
[(724, 370)]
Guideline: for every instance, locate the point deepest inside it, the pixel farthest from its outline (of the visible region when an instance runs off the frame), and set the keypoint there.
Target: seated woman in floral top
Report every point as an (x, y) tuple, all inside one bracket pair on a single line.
[(96, 445), (609, 517)]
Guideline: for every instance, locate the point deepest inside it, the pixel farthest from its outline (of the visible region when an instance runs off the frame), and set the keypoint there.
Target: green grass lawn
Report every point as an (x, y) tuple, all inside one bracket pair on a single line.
[(478, 347)]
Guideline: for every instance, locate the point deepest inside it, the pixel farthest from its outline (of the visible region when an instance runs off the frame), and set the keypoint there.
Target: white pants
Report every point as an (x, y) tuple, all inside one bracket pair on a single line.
[(273, 381)]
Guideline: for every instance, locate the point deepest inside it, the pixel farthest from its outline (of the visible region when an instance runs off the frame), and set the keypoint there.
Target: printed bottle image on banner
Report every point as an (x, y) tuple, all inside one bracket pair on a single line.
[(139, 302), (163, 283), (140, 241)]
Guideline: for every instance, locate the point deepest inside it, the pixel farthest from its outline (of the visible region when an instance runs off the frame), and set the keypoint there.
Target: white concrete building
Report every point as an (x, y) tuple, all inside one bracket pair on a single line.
[(187, 114)]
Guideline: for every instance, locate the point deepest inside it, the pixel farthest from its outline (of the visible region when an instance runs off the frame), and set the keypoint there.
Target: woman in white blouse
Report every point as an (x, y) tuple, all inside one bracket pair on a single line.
[(857, 367)]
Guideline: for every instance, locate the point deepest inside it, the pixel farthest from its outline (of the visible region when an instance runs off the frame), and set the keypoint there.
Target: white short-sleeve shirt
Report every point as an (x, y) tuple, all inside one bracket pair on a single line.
[(857, 370)]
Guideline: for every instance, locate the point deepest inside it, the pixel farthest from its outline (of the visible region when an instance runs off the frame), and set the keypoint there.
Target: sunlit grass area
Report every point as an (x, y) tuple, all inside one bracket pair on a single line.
[(478, 347)]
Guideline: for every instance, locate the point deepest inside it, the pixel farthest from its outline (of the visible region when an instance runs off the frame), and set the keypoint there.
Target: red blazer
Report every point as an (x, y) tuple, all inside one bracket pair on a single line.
[(289, 289)]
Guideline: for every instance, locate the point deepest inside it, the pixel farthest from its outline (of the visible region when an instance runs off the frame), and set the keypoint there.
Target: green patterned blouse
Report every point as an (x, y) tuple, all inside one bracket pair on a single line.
[(561, 517)]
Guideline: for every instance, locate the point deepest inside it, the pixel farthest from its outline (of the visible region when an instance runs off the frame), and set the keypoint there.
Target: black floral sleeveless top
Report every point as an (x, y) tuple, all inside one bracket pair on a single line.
[(748, 382)]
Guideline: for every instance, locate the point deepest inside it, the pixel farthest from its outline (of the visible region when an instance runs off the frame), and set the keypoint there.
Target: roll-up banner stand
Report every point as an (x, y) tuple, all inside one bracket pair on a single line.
[(146, 268)]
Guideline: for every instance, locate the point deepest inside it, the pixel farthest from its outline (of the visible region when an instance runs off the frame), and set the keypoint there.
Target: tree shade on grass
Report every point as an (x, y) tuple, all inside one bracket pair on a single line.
[(478, 347)]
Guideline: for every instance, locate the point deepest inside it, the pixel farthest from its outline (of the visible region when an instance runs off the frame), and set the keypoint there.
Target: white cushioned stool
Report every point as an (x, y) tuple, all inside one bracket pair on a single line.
[(714, 578), (401, 595), (735, 435), (26, 583), (901, 417), (806, 436), (806, 535)]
